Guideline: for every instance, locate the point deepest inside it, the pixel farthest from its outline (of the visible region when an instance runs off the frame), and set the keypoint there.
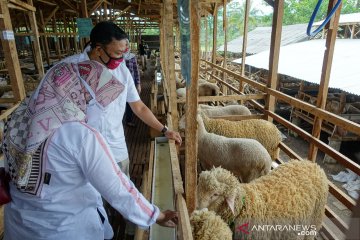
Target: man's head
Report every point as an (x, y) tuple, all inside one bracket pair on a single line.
[(108, 43)]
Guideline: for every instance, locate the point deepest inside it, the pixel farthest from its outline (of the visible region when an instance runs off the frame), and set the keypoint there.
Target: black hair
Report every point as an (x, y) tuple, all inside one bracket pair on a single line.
[(105, 32)]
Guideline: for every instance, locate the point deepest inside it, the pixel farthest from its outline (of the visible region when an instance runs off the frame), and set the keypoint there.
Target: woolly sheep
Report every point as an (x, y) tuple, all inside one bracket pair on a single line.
[(246, 158), (205, 89), (206, 225), (261, 130), (216, 111), (295, 193)]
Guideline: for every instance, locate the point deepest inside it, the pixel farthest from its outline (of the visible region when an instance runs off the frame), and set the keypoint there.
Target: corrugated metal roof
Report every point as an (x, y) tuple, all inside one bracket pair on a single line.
[(350, 18), (304, 61), (259, 39)]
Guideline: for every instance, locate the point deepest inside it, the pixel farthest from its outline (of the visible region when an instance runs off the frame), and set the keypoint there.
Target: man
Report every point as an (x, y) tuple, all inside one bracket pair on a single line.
[(131, 64), (108, 43), (142, 50)]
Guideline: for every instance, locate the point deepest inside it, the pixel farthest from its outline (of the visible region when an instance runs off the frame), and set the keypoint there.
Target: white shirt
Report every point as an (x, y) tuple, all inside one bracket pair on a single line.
[(77, 157), (109, 122)]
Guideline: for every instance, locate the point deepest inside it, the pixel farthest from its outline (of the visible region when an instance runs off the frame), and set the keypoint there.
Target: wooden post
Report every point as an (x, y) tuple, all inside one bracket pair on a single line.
[(191, 144), (245, 35), (206, 38), (56, 39), (84, 14), (214, 33), (105, 11), (168, 6), (325, 75), (36, 43), (46, 45), (223, 86), (10, 53), (67, 41), (76, 42), (274, 54)]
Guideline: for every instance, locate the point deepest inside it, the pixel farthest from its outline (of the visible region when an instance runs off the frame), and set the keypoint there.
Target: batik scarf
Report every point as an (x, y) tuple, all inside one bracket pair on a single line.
[(60, 97)]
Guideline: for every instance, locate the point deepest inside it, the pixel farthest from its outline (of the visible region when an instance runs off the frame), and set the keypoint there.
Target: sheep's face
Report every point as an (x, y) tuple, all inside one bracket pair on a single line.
[(209, 190), (216, 188)]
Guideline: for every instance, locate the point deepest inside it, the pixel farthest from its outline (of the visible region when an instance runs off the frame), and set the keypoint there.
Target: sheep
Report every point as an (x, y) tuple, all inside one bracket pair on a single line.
[(216, 111), (206, 225), (246, 158), (205, 89), (295, 193), (261, 130)]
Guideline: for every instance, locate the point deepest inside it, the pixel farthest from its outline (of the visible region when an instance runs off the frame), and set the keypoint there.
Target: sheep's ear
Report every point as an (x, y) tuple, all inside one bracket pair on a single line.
[(231, 203)]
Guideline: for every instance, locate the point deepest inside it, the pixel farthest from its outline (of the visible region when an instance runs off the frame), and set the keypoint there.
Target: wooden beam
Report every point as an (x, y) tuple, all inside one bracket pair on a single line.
[(336, 219), (50, 15), (184, 227), (214, 33), (69, 4), (36, 42), (274, 54), (46, 45), (226, 98), (223, 86), (84, 11), (191, 143), (47, 2), (244, 44), (96, 5), (10, 53), (23, 6), (325, 74), (9, 111)]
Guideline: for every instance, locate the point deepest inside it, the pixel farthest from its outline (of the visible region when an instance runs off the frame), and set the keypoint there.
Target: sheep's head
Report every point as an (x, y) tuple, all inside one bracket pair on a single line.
[(215, 187)]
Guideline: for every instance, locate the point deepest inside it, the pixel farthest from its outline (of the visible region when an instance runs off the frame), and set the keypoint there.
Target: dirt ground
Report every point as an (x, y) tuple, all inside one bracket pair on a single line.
[(301, 148)]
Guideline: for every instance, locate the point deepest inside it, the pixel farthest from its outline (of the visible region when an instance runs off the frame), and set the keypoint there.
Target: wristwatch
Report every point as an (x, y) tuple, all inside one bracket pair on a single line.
[(164, 130)]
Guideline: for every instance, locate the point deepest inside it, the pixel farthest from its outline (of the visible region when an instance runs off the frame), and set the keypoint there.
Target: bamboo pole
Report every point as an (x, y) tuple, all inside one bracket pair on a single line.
[(244, 45), (45, 38)]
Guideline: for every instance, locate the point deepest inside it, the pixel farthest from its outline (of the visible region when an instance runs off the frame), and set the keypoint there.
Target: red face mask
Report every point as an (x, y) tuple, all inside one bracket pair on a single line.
[(112, 63)]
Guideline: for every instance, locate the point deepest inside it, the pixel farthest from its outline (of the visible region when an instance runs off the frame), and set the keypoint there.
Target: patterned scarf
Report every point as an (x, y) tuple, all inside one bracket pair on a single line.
[(60, 97)]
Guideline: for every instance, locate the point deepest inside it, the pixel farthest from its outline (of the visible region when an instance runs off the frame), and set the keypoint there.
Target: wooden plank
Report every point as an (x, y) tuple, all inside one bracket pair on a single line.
[(184, 227), (239, 117), (289, 151), (336, 219), (226, 98), (10, 52), (328, 232), (175, 166), (36, 42), (69, 4), (224, 86), (23, 6), (325, 74), (225, 83), (341, 196), (47, 2), (274, 54)]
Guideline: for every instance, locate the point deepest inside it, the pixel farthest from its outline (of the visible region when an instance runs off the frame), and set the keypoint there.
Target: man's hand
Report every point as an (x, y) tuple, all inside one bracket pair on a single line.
[(138, 88), (167, 218), (174, 136)]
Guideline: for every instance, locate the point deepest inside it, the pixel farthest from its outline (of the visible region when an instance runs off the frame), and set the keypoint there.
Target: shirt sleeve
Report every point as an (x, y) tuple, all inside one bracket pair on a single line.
[(98, 165)]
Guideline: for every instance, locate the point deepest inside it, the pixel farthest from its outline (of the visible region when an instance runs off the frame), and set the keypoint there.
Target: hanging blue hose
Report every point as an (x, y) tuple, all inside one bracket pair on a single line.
[(327, 19)]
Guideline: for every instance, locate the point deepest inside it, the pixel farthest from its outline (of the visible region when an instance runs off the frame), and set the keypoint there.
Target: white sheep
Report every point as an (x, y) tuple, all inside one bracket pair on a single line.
[(205, 89), (261, 130), (217, 111), (246, 158), (206, 225), (293, 194)]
